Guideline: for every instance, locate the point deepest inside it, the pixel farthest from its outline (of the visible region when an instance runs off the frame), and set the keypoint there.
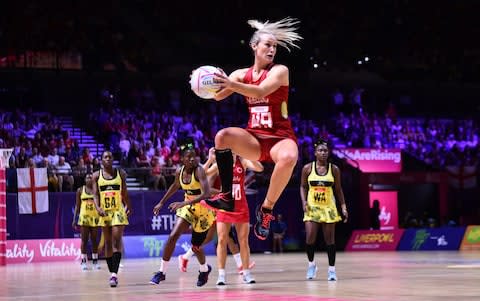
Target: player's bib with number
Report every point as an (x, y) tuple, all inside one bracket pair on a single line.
[(319, 194), (261, 117), (90, 206), (111, 200)]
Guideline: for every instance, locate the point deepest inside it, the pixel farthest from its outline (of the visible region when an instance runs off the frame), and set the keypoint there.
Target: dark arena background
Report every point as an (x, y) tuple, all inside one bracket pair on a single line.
[(392, 85)]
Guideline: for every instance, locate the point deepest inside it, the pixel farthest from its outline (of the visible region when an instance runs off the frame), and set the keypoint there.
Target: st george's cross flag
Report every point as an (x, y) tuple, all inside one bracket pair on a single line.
[(32, 190)]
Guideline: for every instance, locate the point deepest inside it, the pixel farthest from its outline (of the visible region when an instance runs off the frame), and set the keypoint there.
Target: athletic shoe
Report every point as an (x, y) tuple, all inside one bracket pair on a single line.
[(203, 276), (248, 278), (332, 276), (312, 272), (221, 201), (95, 265), (250, 266), (84, 266), (182, 263), (262, 226), (113, 281), (221, 280), (157, 277)]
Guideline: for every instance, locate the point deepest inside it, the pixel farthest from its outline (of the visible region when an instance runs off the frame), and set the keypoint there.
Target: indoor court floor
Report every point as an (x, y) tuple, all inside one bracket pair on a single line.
[(376, 276)]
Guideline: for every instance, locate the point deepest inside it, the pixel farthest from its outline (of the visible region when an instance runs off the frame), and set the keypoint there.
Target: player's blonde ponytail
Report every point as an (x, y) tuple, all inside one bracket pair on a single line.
[(284, 31)]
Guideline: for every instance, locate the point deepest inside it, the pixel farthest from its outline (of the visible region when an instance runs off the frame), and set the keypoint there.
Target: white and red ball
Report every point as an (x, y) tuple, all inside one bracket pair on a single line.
[(202, 81)]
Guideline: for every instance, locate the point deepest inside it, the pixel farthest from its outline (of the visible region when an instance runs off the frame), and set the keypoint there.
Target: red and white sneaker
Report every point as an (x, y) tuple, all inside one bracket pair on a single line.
[(182, 263)]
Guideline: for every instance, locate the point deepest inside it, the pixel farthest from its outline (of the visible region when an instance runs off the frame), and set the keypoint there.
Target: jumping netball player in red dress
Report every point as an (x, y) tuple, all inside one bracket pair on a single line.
[(269, 136)]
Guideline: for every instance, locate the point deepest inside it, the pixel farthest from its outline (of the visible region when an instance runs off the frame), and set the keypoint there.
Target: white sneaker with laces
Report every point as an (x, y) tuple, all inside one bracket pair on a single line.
[(221, 280), (248, 278), (312, 272), (332, 276)]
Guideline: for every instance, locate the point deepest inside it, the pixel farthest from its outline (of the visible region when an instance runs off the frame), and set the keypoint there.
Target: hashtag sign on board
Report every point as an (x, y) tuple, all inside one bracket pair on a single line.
[(156, 222)]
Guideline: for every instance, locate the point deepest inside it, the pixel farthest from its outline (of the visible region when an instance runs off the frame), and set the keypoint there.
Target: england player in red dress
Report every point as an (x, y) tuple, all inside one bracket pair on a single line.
[(269, 135)]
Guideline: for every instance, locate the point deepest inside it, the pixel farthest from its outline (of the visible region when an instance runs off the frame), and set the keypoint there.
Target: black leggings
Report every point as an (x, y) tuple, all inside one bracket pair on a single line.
[(198, 238)]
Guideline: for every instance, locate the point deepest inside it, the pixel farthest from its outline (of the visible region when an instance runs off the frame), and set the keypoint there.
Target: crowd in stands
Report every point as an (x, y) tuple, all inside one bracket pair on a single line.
[(436, 142), (145, 142), (39, 141)]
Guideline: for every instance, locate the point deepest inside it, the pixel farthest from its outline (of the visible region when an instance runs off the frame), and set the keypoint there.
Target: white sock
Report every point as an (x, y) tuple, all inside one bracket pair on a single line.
[(238, 259), (163, 266), (331, 269), (188, 254), (94, 256), (114, 274), (311, 264), (84, 257), (246, 272), (221, 272), (204, 267)]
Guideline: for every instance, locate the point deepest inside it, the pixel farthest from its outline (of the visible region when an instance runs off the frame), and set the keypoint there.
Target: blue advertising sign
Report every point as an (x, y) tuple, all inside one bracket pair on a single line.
[(145, 246), (438, 239)]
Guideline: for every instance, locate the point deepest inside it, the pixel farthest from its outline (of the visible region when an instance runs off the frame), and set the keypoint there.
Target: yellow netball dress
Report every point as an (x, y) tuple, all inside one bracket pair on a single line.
[(88, 216), (110, 191), (321, 206), (198, 216)]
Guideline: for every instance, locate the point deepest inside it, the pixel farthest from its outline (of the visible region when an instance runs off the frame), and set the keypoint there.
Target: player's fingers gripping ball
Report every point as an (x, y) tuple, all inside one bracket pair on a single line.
[(203, 83)]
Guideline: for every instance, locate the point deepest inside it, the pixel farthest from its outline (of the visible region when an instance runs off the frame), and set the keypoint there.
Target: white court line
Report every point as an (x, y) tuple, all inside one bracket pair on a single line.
[(464, 266)]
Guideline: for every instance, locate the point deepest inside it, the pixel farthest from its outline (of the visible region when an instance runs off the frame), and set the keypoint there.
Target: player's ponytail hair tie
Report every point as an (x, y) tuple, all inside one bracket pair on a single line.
[(284, 31)]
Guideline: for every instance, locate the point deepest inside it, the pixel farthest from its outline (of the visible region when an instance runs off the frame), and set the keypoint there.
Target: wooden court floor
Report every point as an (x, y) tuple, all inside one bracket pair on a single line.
[(385, 276)]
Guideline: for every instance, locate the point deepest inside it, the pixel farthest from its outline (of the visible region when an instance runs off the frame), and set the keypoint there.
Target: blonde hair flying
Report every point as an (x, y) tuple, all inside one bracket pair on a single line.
[(284, 31)]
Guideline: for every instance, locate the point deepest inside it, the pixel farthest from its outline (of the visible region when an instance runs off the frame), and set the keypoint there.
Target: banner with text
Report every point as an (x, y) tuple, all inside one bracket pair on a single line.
[(374, 240), (43, 250), (438, 239), (145, 246), (372, 159), (471, 239)]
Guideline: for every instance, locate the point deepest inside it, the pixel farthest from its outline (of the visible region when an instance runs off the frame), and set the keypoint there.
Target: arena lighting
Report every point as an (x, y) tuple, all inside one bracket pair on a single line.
[(366, 59), (315, 65), (359, 62)]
